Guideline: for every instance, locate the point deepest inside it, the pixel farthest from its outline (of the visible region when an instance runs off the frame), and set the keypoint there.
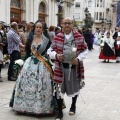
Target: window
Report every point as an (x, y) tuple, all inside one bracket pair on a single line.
[(96, 16), (97, 3), (76, 15), (14, 15), (15, 3), (100, 15), (15, 11), (89, 3), (42, 8), (77, 4), (101, 3)]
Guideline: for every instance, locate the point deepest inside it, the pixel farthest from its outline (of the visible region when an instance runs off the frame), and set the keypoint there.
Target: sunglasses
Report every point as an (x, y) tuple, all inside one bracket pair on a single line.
[(67, 23)]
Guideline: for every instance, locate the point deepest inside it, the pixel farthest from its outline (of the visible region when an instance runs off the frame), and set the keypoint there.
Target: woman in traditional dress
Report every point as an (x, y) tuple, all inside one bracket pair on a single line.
[(107, 49), (33, 91)]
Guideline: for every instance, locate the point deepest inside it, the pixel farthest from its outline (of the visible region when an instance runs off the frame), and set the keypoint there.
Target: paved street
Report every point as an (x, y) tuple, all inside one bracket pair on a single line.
[(100, 97)]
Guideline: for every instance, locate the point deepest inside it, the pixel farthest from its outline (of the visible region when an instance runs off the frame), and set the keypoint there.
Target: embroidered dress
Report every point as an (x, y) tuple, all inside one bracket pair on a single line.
[(33, 91)]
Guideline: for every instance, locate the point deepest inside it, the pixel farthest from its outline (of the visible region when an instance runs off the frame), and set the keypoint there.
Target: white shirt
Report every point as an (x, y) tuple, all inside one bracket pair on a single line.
[(68, 36)]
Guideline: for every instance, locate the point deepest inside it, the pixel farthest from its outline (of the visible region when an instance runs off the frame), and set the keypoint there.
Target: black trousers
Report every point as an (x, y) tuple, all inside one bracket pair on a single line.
[(14, 56)]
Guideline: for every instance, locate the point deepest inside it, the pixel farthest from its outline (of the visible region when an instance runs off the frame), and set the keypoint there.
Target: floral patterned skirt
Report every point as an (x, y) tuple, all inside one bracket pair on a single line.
[(33, 91)]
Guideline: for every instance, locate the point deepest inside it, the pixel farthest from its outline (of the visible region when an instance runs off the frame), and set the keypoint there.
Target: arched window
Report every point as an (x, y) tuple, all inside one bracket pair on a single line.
[(42, 8), (89, 3), (15, 11), (15, 3), (42, 11)]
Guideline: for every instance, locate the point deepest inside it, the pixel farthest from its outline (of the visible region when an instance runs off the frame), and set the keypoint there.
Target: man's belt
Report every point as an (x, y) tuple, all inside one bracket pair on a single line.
[(66, 65)]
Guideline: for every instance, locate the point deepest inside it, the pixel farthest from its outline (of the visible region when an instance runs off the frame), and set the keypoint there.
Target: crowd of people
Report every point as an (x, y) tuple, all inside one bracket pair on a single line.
[(40, 87), (110, 45), (108, 40)]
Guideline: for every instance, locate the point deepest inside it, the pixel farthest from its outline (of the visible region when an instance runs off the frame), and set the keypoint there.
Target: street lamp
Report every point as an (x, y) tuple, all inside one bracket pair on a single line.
[(60, 13)]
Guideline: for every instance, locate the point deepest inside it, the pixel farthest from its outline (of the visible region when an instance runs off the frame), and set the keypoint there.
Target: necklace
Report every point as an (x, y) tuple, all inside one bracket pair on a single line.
[(37, 36)]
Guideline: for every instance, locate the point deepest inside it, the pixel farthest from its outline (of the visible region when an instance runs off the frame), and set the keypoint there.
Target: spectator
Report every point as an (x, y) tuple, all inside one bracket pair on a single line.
[(57, 30), (3, 39), (23, 39), (24, 23), (1, 60), (51, 33), (45, 31), (14, 44), (29, 29)]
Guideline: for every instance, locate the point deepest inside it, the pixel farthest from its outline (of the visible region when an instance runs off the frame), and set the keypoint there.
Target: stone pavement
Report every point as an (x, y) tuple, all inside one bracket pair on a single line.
[(99, 99)]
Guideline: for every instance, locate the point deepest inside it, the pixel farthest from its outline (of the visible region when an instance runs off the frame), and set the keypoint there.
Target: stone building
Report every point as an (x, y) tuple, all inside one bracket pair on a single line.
[(102, 11), (32, 10)]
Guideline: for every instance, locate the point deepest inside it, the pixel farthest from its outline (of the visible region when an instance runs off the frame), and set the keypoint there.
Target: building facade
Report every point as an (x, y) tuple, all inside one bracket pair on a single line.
[(116, 11), (32, 10), (102, 11)]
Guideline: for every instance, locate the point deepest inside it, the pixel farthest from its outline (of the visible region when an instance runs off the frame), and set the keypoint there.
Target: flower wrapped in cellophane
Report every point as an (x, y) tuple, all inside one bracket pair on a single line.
[(73, 53), (17, 68)]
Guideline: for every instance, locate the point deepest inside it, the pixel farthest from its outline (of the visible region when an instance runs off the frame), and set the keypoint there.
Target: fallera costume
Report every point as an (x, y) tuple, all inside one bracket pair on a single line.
[(33, 90), (63, 44), (107, 52)]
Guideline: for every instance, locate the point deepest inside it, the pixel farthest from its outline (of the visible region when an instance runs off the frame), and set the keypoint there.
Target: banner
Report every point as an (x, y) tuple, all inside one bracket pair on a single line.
[(118, 14)]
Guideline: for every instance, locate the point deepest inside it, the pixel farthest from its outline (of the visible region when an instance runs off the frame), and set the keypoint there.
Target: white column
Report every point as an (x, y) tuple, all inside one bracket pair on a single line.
[(31, 10), (7, 11), (55, 12), (35, 10), (50, 13), (23, 13)]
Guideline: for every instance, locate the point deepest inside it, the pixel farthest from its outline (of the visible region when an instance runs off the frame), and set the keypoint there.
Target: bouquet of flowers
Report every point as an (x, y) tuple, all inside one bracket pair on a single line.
[(17, 68), (72, 56), (19, 62)]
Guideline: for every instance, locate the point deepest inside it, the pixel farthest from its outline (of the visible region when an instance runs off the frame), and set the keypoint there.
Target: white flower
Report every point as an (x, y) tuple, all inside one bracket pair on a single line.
[(19, 62), (73, 53), (74, 49)]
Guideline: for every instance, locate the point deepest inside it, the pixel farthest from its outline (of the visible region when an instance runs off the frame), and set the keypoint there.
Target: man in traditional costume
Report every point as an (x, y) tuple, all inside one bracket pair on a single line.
[(68, 49)]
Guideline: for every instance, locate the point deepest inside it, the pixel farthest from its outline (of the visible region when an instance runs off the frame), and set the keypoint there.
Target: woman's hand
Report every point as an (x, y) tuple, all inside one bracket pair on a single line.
[(2, 44), (75, 61), (60, 57)]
